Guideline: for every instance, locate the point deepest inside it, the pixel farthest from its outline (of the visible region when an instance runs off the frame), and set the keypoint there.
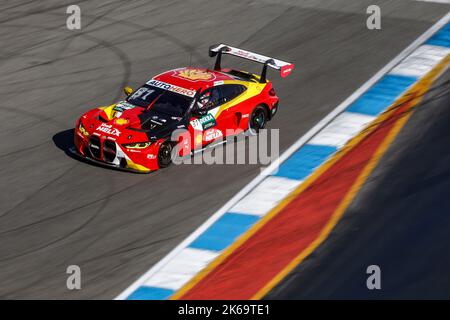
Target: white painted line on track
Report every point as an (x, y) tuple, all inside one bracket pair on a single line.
[(265, 196), (421, 61), (344, 127), (180, 270)]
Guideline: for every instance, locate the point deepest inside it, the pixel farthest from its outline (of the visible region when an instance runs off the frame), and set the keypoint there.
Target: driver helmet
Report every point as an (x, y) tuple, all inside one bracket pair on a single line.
[(204, 99)]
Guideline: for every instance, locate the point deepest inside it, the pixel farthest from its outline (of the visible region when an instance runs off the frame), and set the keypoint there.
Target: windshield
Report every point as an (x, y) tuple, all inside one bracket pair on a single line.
[(164, 101)]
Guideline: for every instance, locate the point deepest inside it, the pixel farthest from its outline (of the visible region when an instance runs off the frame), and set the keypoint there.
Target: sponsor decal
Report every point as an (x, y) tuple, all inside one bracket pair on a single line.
[(207, 121), (286, 70), (121, 121), (122, 106), (108, 129), (193, 74), (203, 123), (151, 156), (212, 134), (249, 55), (171, 87), (218, 83), (198, 139), (196, 124)]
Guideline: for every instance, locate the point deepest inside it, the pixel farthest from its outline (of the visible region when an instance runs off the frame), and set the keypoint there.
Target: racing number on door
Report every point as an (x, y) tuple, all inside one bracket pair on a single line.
[(208, 101), (200, 125)]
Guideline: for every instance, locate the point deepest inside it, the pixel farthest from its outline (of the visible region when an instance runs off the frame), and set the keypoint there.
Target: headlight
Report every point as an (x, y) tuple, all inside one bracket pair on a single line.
[(137, 145), (82, 130)]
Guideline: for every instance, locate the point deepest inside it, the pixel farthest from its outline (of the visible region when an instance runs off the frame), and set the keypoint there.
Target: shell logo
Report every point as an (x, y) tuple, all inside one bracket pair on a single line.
[(195, 74), (121, 121)]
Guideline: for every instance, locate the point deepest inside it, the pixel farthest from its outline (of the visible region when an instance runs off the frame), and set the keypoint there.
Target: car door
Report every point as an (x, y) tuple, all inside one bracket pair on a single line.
[(219, 117), (226, 117)]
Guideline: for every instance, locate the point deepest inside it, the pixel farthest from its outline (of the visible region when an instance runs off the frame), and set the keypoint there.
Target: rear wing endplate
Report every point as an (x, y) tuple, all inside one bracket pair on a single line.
[(217, 50)]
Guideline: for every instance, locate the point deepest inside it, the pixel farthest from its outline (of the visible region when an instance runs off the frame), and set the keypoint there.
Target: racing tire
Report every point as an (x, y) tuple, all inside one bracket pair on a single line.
[(165, 154), (258, 120)]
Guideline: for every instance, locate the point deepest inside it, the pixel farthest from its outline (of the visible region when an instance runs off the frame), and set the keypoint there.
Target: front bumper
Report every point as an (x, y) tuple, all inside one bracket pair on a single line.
[(110, 154), (121, 167)]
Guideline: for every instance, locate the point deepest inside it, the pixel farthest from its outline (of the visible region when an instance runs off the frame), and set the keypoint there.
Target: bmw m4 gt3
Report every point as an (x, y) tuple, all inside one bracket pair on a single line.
[(205, 105)]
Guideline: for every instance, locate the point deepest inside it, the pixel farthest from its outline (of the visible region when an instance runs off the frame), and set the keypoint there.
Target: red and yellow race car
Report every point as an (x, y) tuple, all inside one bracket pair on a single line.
[(200, 105)]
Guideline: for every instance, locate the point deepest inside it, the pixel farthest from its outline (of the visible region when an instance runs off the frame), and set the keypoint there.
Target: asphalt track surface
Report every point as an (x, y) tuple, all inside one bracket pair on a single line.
[(57, 211), (399, 221)]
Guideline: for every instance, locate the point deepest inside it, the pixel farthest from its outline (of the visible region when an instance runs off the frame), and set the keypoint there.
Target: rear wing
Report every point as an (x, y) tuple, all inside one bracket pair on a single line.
[(285, 68)]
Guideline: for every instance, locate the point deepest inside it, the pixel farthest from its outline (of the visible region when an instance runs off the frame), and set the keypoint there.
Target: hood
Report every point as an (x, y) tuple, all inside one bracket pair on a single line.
[(124, 119), (158, 125)]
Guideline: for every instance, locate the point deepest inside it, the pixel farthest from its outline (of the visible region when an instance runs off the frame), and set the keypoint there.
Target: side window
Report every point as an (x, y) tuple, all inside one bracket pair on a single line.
[(210, 98), (231, 91), (215, 96)]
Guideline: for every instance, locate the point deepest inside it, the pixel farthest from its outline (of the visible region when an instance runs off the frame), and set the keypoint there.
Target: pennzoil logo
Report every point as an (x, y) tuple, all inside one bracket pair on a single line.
[(195, 74)]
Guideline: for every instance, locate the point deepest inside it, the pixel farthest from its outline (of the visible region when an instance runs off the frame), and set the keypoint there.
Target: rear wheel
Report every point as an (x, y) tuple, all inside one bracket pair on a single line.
[(165, 155), (258, 120)]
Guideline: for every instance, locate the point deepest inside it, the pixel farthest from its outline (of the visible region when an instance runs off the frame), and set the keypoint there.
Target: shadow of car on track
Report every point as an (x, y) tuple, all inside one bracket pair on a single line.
[(64, 141)]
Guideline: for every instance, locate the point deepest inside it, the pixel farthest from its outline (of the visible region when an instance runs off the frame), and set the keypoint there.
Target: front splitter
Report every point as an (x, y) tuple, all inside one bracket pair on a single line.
[(104, 164)]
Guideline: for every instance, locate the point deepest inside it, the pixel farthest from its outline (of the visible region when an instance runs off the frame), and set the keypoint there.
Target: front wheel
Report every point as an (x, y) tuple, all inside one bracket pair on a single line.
[(165, 155), (258, 120)]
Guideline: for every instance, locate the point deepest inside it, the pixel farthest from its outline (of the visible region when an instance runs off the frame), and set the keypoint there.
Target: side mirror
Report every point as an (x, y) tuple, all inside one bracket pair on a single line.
[(199, 112), (128, 90)]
